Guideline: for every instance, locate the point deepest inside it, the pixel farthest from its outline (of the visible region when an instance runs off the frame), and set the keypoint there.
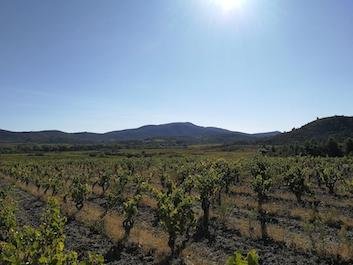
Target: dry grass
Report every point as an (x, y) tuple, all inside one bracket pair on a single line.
[(89, 214), (150, 239), (243, 189), (148, 201), (244, 203), (298, 241), (142, 234), (146, 237), (112, 225), (347, 221), (97, 190), (301, 213), (195, 255)]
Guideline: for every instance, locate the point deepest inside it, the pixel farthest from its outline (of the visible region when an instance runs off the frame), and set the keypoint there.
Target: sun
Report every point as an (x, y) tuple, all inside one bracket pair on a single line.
[(229, 5)]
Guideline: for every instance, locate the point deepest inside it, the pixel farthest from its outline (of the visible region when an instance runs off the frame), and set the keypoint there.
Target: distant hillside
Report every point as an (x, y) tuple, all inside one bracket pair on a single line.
[(266, 135), (339, 127), (50, 137), (166, 131), (188, 132)]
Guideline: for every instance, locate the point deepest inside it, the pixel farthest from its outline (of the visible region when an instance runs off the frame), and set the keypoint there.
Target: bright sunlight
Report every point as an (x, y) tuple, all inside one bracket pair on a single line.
[(229, 5)]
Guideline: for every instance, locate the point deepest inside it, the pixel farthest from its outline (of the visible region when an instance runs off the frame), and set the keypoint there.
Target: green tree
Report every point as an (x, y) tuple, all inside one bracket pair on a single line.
[(228, 175), (130, 209), (116, 193), (349, 146), (104, 178), (79, 193), (261, 184), (207, 184), (332, 148), (331, 175), (175, 211), (295, 180)]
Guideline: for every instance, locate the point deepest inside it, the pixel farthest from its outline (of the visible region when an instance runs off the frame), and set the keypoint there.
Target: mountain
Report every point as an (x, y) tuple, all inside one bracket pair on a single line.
[(339, 127), (184, 131), (50, 136), (170, 130), (266, 134)]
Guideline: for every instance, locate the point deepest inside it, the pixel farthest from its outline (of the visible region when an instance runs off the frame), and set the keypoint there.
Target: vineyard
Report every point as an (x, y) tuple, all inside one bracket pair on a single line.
[(176, 209)]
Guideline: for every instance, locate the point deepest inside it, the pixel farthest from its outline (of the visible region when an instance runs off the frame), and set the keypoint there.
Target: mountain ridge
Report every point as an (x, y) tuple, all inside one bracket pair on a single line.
[(339, 127), (183, 130)]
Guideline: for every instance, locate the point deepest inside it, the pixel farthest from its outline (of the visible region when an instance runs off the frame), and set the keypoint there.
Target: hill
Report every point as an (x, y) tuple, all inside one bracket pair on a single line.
[(338, 127), (169, 130), (185, 132)]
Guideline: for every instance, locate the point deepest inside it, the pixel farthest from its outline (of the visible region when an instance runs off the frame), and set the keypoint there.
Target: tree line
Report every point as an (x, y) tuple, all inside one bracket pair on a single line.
[(329, 148)]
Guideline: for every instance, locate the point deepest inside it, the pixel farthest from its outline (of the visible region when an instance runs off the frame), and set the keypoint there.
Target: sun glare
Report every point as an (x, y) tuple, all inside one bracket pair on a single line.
[(229, 5)]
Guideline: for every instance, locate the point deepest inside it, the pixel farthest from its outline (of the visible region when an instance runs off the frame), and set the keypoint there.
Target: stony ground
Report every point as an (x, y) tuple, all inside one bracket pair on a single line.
[(217, 248), (80, 238)]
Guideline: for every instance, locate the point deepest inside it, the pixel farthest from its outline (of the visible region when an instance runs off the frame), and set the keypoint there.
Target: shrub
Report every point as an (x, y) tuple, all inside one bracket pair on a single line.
[(43, 245), (207, 183), (80, 192), (295, 180), (261, 184), (176, 217), (251, 258), (330, 176), (130, 212)]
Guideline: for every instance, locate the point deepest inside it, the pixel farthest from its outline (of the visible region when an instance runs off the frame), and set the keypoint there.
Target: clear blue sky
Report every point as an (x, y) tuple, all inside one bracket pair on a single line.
[(104, 65)]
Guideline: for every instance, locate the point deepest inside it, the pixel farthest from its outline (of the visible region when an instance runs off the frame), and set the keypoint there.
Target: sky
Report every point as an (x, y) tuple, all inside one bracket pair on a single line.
[(243, 65)]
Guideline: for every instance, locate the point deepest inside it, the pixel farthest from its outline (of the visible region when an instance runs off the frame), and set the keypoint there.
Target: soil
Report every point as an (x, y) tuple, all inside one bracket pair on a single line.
[(81, 238), (271, 253), (220, 245)]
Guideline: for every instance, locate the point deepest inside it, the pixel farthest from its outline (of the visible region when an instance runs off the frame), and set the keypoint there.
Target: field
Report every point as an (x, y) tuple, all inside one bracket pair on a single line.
[(195, 205)]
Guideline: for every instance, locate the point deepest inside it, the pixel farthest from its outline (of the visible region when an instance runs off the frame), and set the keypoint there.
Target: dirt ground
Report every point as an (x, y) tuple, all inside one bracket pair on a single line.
[(216, 249), (80, 238)]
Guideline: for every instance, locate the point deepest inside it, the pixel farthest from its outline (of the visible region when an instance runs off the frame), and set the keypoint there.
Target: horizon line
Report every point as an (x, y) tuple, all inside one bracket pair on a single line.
[(135, 128)]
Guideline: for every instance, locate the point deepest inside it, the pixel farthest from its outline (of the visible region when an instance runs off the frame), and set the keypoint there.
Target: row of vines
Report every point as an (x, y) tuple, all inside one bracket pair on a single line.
[(185, 191)]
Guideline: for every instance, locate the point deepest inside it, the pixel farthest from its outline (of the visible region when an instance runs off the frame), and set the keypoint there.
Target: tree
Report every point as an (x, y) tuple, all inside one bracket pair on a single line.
[(175, 211), (80, 192), (295, 180), (311, 148), (261, 184), (183, 173), (103, 181), (130, 209), (228, 175), (116, 194), (207, 183), (315, 172), (166, 182), (349, 146), (52, 183), (330, 176), (332, 148)]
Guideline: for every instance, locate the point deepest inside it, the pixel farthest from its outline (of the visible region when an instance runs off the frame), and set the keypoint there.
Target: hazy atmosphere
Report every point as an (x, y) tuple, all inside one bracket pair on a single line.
[(247, 65)]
